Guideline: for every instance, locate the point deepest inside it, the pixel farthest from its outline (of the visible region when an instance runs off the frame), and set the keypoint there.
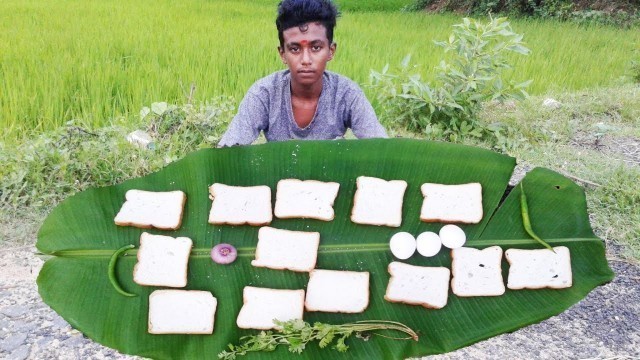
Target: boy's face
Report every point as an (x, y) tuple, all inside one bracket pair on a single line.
[(306, 51)]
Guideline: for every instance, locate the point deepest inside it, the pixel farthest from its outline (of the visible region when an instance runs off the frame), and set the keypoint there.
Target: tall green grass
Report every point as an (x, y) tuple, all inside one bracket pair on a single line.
[(94, 60)]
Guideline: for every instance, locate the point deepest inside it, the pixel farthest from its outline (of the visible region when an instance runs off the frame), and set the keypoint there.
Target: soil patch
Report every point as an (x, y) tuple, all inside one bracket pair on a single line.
[(625, 148)]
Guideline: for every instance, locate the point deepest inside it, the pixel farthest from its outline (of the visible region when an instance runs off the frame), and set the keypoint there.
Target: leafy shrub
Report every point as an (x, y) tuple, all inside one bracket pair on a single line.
[(474, 75), (41, 172), (624, 14), (635, 65)]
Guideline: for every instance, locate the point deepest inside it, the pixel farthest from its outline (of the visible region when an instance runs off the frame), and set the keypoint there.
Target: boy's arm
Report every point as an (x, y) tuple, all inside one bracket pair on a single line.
[(364, 122), (252, 117)]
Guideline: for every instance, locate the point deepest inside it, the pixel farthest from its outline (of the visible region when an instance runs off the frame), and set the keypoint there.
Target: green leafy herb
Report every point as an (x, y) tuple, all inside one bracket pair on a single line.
[(524, 207), (112, 270), (297, 333)]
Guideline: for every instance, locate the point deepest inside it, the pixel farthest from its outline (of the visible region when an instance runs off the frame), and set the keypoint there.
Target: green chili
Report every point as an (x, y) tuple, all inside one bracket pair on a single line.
[(112, 270), (526, 221)]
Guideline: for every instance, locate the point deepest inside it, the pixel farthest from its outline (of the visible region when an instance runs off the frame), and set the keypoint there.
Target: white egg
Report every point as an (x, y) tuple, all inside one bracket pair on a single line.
[(452, 236), (402, 245), (428, 244)]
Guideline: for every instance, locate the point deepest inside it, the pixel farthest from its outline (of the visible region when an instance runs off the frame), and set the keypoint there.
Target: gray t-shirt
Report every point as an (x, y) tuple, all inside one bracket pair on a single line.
[(267, 107)]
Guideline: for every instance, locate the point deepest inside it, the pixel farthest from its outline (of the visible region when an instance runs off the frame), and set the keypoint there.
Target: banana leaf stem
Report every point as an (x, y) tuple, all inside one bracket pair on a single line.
[(526, 221), (112, 271)]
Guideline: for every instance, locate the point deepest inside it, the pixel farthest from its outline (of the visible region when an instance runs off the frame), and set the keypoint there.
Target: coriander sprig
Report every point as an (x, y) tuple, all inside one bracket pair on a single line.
[(297, 334)]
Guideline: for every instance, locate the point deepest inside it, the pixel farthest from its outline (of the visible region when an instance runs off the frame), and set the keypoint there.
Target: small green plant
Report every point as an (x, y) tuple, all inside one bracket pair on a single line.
[(179, 130), (44, 170), (472, 76), (635, 65)]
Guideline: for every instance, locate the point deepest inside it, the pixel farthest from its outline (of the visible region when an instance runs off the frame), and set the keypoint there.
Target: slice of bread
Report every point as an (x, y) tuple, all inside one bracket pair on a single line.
[(308, 199), (238, 205), (162, 261), (147, 209), (378, 202), (452, 203), (337, 291), (261, 306), (477, 272), (418, 285), (537, 269), (286, 249), (181, 312)]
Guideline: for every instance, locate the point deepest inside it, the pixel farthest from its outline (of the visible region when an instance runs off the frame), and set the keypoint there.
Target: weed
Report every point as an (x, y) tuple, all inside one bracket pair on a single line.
[(41, 172), (635, 65), (473, 76)]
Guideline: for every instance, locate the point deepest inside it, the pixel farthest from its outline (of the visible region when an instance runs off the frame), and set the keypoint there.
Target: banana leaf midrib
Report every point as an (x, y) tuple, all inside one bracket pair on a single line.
[(324, 249)]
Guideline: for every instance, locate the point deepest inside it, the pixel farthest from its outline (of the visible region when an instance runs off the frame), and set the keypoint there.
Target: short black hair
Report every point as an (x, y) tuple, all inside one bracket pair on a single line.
[(298, 12)]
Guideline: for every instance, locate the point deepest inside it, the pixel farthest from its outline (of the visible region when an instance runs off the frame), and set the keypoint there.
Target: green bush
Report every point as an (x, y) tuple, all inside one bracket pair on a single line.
[(41, 172), (635, 65), (623, 14), (473, 76)]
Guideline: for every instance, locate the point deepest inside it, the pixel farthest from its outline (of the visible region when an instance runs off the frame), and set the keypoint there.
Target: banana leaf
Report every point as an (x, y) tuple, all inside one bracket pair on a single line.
[(81, 237)]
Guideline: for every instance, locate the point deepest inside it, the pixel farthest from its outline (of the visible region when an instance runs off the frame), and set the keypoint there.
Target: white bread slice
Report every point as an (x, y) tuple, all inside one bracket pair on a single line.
[(537, 269), (418, 285), (261, 306), (337, 291), (147, 209), (238, 205), (452, 203), (308, 199), (477, 272), (162, 261), (286, 249), (378, 202), (181, 312)]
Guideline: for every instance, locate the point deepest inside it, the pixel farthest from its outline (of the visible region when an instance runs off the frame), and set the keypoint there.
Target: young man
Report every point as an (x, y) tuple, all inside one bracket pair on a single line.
[(304, 101)]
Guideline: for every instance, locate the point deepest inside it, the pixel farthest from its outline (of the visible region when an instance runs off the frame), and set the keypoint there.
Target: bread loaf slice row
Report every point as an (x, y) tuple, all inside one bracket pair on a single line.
[(451, 203), (308, 199), (418, 285), (286, 250), (162, 261), (181, 312), (262, 305), (239, 205), (337, 291), (151, 209), (378, 202), (477, 272), (540, 268)]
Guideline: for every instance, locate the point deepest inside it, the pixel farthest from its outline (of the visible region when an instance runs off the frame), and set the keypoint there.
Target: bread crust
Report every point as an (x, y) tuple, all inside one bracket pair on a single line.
[(454, 269), (331, 203), (424, 304), (426, 219), (355, 311), (316, 241), (204, 332), (568, 269), (299, 315), (216, 221), (151, 226), (358, 194), (142, 248)]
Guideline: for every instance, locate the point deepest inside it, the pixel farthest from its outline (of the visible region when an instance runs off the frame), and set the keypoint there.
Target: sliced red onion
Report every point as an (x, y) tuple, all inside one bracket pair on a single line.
[(224, 254)]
